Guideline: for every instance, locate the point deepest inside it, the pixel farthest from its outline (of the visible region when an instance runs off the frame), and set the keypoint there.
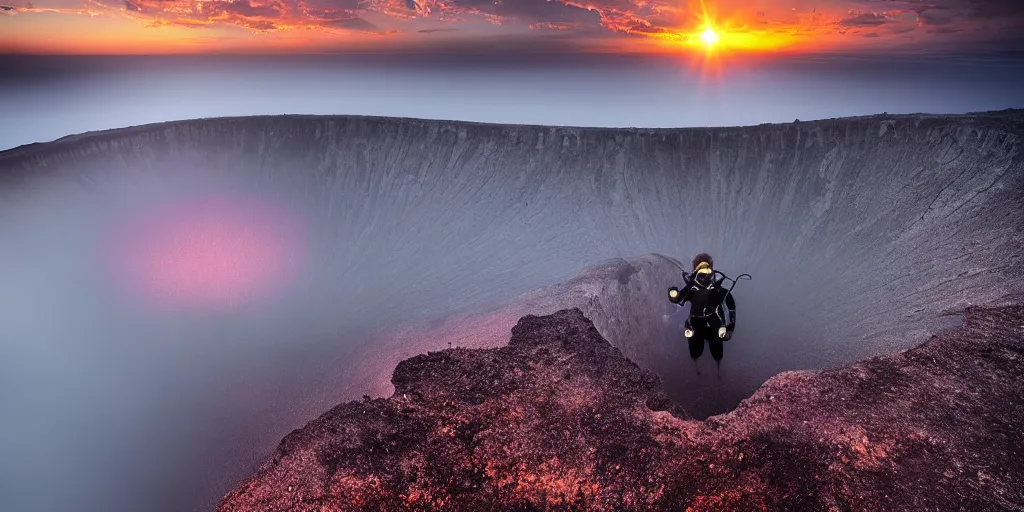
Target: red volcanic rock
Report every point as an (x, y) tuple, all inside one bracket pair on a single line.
[(559, 419)]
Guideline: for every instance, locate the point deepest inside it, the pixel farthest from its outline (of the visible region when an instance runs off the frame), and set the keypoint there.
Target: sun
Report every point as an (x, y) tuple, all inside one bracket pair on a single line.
[(710, 37)]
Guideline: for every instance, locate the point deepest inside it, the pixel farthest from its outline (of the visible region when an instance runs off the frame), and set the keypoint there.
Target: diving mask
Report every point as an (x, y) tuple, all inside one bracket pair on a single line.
[(703, 274)]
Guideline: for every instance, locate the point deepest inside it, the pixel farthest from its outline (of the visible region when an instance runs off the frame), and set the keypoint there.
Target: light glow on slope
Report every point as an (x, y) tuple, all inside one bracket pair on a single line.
[(213, 252)]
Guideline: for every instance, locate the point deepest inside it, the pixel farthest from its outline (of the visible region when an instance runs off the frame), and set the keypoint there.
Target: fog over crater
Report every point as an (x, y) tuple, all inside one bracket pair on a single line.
[(133, 381)]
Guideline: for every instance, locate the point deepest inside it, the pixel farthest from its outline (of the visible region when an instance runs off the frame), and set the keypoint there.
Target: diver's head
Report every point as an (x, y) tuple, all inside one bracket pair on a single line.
[(703, 275), (703, 269)]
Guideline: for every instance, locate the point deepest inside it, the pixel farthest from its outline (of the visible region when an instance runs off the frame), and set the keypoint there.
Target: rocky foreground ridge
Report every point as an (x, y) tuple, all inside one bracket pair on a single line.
[(559, 419)]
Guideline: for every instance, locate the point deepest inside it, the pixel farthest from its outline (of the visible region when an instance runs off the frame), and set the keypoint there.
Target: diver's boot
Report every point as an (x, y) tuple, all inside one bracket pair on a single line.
[(696, 366), (718, 368)]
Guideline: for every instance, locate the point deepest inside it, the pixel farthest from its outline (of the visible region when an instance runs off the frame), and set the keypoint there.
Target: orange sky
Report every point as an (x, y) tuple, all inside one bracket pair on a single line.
[(186, 26)]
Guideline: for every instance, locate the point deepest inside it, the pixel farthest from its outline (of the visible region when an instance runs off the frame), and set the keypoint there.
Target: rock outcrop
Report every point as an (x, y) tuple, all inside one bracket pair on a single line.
[(625, 298), (559, 419)]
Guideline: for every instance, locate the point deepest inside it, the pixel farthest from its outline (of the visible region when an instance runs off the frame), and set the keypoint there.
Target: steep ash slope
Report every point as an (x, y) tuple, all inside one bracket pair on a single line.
[(830, 215), (560, 419), (860, 233)]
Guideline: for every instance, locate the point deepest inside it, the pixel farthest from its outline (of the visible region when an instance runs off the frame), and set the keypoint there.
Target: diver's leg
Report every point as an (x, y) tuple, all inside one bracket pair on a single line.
[(696, 346), (715, 344), (696, 349), (717, 347)]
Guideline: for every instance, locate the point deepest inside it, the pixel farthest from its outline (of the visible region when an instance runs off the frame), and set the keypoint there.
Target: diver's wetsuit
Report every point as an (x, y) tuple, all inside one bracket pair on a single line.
[(707, 315)]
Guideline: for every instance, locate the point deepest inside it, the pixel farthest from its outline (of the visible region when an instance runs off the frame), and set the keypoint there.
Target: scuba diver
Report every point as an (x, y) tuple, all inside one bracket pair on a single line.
[(706, 296)]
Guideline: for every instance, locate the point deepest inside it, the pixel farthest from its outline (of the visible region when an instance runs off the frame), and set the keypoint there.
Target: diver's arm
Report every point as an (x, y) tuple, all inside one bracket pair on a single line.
[(687, 283), (684, 294)]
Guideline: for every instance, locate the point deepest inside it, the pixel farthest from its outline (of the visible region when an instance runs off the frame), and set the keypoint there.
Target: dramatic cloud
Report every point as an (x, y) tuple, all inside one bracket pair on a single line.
[(357, 24), (934, 17), (944, 30), (995, 8), (257, 15), (750, 24), (966, 12), (528, 11), (864, 20)]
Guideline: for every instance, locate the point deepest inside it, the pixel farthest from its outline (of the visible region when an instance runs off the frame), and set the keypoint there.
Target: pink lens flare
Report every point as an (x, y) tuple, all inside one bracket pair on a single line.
[(209, 252)]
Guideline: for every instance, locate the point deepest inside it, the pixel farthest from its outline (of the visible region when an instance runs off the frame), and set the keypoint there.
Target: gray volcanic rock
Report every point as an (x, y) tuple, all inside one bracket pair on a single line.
[(559, 419)]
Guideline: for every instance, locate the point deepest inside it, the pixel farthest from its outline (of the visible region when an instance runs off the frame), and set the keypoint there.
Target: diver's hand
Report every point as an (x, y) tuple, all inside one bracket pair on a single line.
[(722, 331)]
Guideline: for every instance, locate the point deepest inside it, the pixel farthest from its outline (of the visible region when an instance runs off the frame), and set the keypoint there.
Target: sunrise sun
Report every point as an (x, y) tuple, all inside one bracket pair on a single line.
[(709, 37)]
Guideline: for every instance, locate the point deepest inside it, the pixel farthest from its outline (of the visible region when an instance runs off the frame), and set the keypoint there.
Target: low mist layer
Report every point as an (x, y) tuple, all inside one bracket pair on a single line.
[(47, 97), (861, 234)]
